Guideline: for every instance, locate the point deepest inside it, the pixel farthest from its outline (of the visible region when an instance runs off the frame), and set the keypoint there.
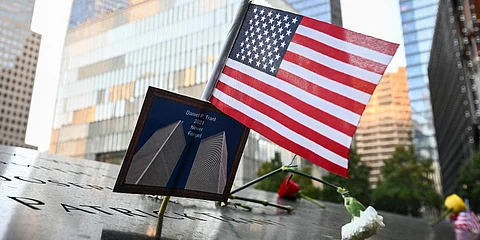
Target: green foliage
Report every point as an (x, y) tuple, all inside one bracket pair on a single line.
[(469, 182), (357, 184), (272, 183), (406, 185)]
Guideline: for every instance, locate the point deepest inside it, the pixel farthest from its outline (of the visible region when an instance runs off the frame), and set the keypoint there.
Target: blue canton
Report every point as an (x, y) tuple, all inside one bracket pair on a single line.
[(264, 37)]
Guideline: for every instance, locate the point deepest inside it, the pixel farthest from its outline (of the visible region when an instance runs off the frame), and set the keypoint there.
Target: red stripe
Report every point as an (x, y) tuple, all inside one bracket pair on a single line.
[(329, 73), (351, 36), (322, 93), (285, 120), (279, 139), (292, 101), (340, 55)]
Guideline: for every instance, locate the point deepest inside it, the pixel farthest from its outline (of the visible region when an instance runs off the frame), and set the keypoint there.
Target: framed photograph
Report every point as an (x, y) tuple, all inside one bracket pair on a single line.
[(182, 147)]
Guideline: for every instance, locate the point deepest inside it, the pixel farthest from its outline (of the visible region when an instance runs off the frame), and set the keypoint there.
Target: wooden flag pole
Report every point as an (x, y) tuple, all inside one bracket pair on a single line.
[(217, 70)]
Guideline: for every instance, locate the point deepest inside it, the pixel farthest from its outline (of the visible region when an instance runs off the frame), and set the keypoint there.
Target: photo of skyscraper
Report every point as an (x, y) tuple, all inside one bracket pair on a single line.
[(209, 171), (153, 164)]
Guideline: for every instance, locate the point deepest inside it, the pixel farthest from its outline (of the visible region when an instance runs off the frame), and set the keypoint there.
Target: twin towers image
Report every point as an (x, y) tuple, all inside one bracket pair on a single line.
[(155, 161)]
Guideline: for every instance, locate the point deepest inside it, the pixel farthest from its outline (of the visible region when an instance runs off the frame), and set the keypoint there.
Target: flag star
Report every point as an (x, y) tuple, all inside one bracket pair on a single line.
[(264, 59), (262, 11), (264, 66), (247, 39), (242, 51), (243, 58), (248, 45), (270, 20), (269, 54), (288, 32), (272, 69), (249, 53), (283, 44), (267, 39), (256, 23), (250, 60), (265, 32), (253, 41), (270, 61), (254, 47), (251, 28), (277, 57), (274, 41), (268, 47), (264, 25), (258, 64), (251, 21), (241, 44), (252, 34), (285, 18), (294, 20), (280, 29), (269, 13), (287, 25), (282, 37), (274, 35), (238, 55), (277, 16), (279, 23), (256, 56), (257, 30), (246, 33), (256, 16), (261, 44), (262, 52), (272, 28), (259, 37), (275, 49), (255, 10), (263, 18)]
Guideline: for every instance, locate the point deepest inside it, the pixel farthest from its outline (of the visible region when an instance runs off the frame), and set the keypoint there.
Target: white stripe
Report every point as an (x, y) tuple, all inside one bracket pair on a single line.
[(282, 130), (327, 83), (343, 45), (298, 93), (334, 63), (301, 118)]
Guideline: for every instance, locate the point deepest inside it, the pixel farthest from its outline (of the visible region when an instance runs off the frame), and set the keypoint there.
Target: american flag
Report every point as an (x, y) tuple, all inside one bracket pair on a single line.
[(468, 221), (302, 83)]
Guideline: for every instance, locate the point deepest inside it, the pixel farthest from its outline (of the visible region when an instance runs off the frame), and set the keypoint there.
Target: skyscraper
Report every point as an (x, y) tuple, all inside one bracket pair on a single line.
[(418, 21), (19, 48), (386, 122), (109, 62), (454, 80), (86, 10), (324, 10)]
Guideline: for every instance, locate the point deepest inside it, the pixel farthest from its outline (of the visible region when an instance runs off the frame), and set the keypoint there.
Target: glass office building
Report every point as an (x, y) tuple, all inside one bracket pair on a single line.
[(108, 64), (324, 10), (19, 48), (418, 21)]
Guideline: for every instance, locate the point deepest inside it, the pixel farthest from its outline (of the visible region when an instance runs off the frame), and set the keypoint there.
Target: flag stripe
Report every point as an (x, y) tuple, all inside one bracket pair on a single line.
[(343, 56), (278, 128), (321, 92), (320, 126), (279, 139), (334, 64), (358, 40), (285, 120), (297, 93), (314, 72)]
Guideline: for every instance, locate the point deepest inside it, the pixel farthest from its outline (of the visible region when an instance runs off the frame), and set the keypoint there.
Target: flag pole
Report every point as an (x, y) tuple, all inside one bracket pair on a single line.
[(218, 68)]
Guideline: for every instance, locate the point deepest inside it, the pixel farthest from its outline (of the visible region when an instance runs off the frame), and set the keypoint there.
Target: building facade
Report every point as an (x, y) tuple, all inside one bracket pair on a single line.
[(19, 48), (324, 10), (418, 21), (454, 79), (108, 64), (386, 122)]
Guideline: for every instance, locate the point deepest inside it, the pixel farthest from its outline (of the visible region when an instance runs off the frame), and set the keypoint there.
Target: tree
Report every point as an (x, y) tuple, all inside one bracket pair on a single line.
[(406, 184), (469, 182), (357, 184)]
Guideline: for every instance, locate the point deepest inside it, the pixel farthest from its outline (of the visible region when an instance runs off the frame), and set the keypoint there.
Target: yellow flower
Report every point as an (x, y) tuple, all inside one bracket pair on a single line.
[(455, 203)]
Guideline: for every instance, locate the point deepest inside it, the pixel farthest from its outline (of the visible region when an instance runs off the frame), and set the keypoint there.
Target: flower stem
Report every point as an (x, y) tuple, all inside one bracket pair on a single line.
[(263, 202), (442, 216), (302, 195), (290, 169), (256, 180)]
